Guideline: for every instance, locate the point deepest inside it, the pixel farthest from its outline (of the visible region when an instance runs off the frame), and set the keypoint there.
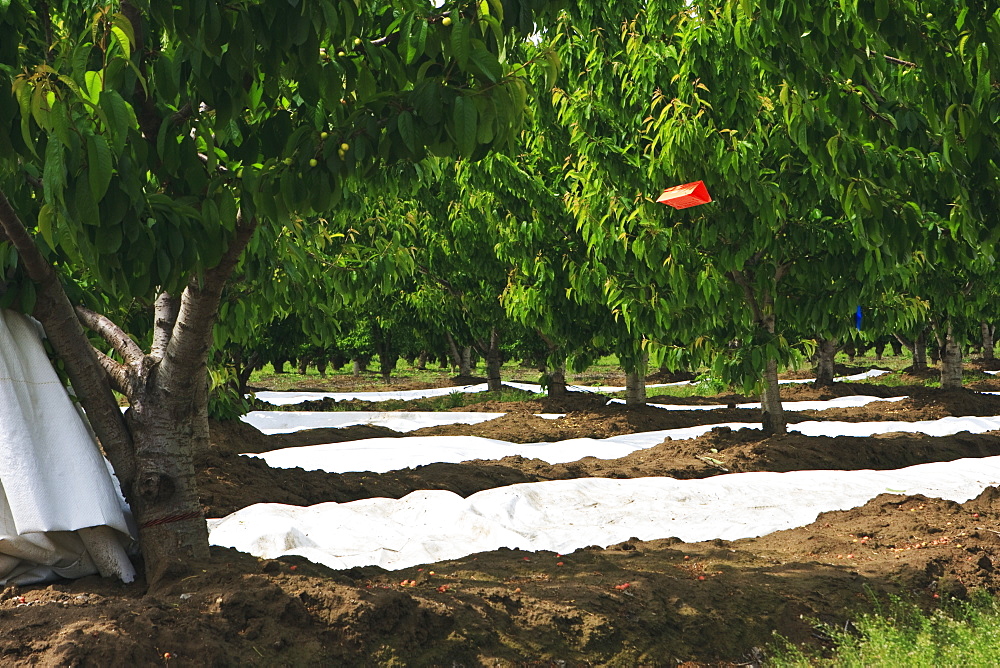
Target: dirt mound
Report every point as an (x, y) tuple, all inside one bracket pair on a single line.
[(654, 603)]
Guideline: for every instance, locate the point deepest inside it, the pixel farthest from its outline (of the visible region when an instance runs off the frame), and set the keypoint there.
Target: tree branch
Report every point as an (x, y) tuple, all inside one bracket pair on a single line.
[(187, 351), (741, 280), (112, 333), (118, 375), (164, 319)]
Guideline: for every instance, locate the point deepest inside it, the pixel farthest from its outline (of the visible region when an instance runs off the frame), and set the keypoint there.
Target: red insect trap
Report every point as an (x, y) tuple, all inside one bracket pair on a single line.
[(682, 197)]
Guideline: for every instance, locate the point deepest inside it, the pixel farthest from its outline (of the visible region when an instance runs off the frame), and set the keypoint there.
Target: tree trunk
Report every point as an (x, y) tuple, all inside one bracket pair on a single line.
[(386, 365), (387, 356), (773, 417), (988, 341), (557, 381), (951, 363), (635, 382), (422, 361), (456, 356), (165, 502), (919, 350), (772, 412), (465, 361), (896, 345), (243, 374), (359, 365), (494, 360), (825, 353)]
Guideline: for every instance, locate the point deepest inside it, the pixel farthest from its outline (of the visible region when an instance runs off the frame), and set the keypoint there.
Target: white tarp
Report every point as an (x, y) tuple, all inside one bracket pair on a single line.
[(289, 398), (283, 422), (564, 515), (819, 405), (61, 514), (386, 454)]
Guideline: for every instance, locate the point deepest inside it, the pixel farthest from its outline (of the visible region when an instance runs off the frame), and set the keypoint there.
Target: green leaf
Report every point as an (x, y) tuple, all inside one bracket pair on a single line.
[(100, 165), (461, 45), (417, 42), (465, 125), (54, 173), (93, 82), (486, 63), (119, 118), (407, 132), (46, 215), (84, 203)]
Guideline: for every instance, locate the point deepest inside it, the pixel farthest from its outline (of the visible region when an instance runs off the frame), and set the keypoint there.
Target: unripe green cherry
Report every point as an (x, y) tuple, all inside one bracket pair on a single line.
[(313, 162), (345, 147), (446, 21)]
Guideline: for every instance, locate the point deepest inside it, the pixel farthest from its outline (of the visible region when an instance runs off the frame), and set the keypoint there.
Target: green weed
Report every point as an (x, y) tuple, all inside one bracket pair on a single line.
[(958, 633)]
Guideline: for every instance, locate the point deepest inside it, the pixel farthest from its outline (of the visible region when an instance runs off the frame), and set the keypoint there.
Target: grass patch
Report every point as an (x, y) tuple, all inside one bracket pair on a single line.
[(958, 633)]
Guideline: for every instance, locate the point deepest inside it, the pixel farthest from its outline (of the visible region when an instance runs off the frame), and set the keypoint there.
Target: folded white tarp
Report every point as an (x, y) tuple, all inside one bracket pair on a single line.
[(61, 514), (564, 515), (386, 454)]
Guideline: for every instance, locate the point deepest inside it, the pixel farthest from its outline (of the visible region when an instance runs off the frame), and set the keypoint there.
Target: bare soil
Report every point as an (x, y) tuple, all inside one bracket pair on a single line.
[(649, 603)]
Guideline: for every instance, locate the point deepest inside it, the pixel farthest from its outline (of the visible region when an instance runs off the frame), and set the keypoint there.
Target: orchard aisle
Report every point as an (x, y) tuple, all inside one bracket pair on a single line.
[(288, 398), (564, 515), (386, 454)]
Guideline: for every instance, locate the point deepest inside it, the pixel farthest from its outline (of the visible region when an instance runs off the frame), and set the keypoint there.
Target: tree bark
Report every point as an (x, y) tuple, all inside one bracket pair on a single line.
[(951, 362), (635, 382), (456, 357), (494, 361), (465, 361), (359, 365), (773, 418), (772, 412), (825, 353), (387, 357), (919, 350), (557, 381), (988, 331)]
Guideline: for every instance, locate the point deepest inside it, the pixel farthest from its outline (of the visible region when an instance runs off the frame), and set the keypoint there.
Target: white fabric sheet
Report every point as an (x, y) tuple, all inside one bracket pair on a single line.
[(839, 402), (284, 422), (54, 481), (565, 515), (289, 398), (387, 454)]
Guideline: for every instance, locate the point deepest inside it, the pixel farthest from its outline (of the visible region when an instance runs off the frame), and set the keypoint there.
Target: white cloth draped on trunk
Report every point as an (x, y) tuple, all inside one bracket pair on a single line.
[(61, 511)]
